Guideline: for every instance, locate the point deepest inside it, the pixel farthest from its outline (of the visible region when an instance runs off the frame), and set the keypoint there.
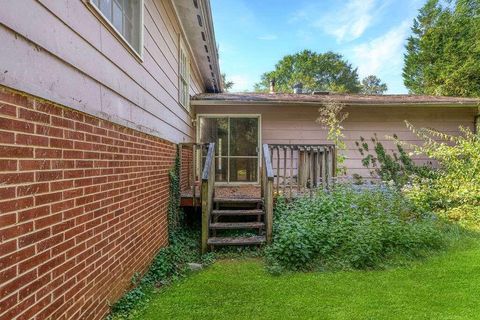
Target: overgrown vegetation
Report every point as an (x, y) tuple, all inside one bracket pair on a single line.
[(171, 262), (396, 168), (331, 117), (351, 227), (454, 189)]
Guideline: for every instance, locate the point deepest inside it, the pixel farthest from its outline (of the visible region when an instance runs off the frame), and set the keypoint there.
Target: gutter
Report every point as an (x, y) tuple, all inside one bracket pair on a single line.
[(319, 103), (211, 31)]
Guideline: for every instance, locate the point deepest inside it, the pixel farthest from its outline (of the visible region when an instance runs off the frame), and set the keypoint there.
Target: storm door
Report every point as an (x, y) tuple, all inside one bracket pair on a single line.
[(237, 144)]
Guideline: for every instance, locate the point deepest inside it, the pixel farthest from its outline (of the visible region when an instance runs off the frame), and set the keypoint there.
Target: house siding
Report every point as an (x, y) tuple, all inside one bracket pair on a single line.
[(295, 124), (65, 54), (83, 207)]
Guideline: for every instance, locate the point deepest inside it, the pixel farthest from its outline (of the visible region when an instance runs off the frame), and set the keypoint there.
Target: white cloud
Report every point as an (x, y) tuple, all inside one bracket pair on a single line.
[(268, 37), (382, 55), (241, 82), (350, 22), (346, 21)]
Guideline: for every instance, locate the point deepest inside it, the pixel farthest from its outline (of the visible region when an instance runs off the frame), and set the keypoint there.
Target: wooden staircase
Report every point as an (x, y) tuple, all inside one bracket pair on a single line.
[(240, 215)]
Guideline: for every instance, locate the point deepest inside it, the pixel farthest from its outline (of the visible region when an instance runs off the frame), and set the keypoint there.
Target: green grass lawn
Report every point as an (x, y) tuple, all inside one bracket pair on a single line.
[(446, 286)]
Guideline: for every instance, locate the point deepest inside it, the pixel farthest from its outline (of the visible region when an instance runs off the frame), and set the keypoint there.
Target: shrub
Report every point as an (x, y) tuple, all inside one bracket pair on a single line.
[(350, 227), (454, 190), (397, 168)]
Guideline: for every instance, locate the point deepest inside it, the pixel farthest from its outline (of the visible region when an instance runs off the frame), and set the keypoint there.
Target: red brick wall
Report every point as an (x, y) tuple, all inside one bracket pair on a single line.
[(82, 207), (186, 167)]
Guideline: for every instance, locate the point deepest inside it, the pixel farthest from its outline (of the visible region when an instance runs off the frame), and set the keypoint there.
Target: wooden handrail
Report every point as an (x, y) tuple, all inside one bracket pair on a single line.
[(267, 191), (207, 193)]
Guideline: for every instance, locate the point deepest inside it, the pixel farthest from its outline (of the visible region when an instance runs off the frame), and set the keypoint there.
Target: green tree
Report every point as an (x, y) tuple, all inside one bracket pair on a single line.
[(316, 71), (227, 84), (373, 85), (443, 52)]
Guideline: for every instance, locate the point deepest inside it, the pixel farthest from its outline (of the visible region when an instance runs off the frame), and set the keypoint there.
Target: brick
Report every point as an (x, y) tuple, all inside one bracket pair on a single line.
[(33, 262), (16, 257), (17, 283), (48, 131), (48, 175), (33, 237), (61, 143), (31, 140), (8, 110), (48, 153), (33, 213), (15, 231), (90, 185), (48, 108), (15, 125), (16, 178), (7, 193), (34, 164), (16, 98), (48, 198), (16, 152), (32, 189), (8, 165)]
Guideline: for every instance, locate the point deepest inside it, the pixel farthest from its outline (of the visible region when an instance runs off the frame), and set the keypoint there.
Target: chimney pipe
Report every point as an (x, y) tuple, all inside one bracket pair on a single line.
[(298, 88), (272, 86)]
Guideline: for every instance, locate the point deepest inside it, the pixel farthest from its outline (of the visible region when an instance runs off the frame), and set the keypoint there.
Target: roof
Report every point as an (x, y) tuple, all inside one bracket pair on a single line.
[(349, 99), (196, 19)]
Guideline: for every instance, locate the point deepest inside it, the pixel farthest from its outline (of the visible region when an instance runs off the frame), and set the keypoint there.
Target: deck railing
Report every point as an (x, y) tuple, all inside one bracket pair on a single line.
[(207, 189), (301, 168), (191, 167), (267, 190)]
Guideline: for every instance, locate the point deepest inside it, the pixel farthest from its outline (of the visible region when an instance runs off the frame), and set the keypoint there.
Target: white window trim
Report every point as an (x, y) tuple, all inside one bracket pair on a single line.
[(117, 34), (182, 48)]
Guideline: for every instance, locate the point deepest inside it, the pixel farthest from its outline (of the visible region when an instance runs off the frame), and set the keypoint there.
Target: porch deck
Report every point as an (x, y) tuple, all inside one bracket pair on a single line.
[(248, 191)]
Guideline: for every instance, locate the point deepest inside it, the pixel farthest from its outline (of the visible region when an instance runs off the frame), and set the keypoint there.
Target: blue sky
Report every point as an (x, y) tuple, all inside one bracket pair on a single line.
[(254, 34)]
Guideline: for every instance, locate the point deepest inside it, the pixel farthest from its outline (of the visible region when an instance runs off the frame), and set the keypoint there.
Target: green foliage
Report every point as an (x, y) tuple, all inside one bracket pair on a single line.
[(373, 85), (455, 187), (316, 71), (171, 262), (227, 84), (351, 228), (331, 116), (396, 168), (443, 53)]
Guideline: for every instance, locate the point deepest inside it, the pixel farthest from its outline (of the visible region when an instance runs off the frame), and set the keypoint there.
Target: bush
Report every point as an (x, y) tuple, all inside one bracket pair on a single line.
[(350, 228), (454, 190)]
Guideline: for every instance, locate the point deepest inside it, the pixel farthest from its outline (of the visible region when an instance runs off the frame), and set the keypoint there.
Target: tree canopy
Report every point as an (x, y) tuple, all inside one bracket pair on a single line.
[(373, 85), (443, 53), (316, 71)]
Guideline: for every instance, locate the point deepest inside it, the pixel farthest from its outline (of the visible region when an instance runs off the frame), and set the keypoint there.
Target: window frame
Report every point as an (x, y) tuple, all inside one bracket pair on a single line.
[(117, 34), (183, 79)]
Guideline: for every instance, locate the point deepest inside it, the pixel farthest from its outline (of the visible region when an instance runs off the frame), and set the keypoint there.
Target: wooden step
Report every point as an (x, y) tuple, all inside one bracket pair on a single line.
[(236, 241), (237, 225), (252, 212), (237, 200)]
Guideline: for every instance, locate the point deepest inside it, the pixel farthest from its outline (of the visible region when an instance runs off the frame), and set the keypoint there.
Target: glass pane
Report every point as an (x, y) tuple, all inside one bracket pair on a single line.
[(96, 2), (243, 169), (215, 130), (106, 8), (118, 17), (221, 168), (244, 136)]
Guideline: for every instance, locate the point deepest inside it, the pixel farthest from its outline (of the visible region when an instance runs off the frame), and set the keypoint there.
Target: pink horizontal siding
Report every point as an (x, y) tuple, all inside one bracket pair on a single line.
[(295, 124), (66, 55)]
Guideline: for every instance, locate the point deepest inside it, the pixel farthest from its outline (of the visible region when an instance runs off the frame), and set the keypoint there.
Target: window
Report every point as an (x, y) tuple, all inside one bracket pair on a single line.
[(184, 76), (125, 16)]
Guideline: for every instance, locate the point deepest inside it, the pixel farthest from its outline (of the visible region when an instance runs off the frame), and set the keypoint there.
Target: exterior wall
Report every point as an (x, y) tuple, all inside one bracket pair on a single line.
[(186, 167), (295, 124), (83, 206), (66, 54)]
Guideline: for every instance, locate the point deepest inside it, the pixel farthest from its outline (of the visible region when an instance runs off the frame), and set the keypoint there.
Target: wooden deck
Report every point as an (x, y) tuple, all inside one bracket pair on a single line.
[(221, 192)]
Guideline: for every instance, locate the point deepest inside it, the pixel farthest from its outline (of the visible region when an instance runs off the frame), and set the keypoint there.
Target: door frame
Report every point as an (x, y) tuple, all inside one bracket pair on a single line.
[(259, 143)]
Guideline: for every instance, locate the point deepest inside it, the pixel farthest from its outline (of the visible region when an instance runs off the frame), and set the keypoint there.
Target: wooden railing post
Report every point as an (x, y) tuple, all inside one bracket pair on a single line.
[(267, 187), (207, 194)]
